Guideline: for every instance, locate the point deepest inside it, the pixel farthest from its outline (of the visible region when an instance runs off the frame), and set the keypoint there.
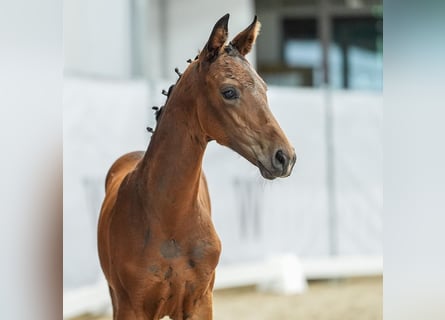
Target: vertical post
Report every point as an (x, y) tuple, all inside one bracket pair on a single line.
[(137, 30), (163, 23), (345, 62), (324, 27)]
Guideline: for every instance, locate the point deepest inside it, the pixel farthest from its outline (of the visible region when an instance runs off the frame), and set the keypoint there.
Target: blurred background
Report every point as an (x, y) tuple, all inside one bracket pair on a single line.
[(309, 246)]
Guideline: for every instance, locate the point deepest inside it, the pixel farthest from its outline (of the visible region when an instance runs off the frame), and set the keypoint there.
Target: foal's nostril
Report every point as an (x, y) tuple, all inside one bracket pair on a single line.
[(281, 161), (281, 158)]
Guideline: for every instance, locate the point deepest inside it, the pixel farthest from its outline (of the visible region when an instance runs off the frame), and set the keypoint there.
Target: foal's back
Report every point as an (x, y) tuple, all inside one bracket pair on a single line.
[(121, 167)]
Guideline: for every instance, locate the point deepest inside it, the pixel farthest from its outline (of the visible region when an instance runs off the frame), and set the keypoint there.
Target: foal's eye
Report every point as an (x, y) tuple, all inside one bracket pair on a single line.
[(229, 93)]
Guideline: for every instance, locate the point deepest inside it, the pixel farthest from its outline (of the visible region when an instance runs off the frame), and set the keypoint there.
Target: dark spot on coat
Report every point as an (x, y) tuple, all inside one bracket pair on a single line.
[(170, 249), (153, 268), (200, 249), (168, 273), (189, 286), (192, 263), (146, 237)]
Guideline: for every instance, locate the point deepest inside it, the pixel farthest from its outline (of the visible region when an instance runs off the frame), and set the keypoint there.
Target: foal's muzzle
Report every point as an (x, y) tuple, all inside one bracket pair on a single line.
[(281, 165)]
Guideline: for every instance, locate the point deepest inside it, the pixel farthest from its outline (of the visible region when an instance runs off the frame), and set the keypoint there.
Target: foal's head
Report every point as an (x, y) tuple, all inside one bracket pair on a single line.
[(235, 111)]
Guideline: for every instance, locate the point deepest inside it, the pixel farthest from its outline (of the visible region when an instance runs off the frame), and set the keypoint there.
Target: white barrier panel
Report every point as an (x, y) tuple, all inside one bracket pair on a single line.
[(342, 267), (281, 274)]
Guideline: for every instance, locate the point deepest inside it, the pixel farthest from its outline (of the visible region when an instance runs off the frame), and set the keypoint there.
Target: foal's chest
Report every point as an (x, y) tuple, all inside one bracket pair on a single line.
[(181, 274), (176, 260)]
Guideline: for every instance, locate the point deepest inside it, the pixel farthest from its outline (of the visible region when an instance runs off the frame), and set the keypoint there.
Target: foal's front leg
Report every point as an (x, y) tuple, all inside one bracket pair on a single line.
[(204, 309), (123, 310)]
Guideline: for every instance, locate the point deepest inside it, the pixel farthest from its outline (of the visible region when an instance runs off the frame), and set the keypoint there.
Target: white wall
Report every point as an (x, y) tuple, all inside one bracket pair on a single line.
[(96, 36)]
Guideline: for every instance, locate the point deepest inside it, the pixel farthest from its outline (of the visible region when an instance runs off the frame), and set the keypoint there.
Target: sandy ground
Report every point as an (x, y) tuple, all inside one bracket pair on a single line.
[(347, 299)]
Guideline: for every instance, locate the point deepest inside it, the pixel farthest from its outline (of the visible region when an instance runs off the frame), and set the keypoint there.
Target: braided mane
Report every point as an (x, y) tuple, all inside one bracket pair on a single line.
[(158, 110)]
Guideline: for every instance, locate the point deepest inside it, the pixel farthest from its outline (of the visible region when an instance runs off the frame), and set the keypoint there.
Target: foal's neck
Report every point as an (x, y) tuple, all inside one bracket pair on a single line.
[(171, 167)]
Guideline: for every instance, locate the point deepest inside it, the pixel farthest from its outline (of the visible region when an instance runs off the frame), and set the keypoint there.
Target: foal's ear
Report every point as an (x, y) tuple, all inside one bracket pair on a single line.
[(245, 40), (217, 39)]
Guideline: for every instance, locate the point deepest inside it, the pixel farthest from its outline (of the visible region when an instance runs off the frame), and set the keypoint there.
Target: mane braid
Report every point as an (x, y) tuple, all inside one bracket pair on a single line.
[(158, 110)]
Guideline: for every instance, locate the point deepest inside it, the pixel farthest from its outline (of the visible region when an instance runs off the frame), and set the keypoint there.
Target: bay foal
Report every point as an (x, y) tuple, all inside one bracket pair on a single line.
[(157, 244)]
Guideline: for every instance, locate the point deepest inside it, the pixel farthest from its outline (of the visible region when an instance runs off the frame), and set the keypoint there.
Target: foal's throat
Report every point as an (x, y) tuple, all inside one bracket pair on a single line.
[(172, 164)]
